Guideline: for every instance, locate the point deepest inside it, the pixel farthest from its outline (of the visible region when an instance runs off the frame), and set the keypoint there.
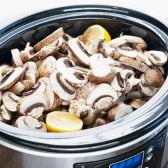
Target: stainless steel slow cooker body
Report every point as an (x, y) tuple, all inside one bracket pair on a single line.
[(111, 141)]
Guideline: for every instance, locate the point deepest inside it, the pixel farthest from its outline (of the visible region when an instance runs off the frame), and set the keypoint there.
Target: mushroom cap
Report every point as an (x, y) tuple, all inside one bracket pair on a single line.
[(11, 78), (154, 78), (47, 66)]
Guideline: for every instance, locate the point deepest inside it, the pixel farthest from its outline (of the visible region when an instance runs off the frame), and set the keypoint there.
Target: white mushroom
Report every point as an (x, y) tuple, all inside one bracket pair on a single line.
[(10, 101), (49, 39), (5, 114), (16, 57), (79, 52), (26, 104), (61, 87), (64, 63), (47, 66), (102, 97), (119, 111), (10, 78), (31, 124)]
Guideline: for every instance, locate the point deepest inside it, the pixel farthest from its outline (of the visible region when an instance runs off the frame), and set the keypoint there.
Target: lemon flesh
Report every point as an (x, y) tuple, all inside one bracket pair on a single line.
[(93, 33), (59, 121)]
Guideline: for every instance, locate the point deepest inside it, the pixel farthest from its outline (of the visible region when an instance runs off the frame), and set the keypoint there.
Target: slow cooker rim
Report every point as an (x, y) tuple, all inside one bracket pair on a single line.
[(20, 132)]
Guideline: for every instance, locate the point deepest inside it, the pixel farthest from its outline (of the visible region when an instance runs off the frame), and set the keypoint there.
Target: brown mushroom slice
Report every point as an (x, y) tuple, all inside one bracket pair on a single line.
[(53, 99), (85, 112), (26, 104), (101, 74), (61, 87), (30, 123), (11, 78), (134, 64), (5, 114), (154, 78), (16, 58), (146, 90), (118, 111), (79, 52), (47, 66), (18, 88), (99, 122), (49, 39), (10, 101), (102, 97), (137, 42), (157, 58), (137, 103)]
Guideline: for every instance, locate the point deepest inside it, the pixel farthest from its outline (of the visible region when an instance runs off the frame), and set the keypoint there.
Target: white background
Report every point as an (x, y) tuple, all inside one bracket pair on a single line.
[(12, 9)]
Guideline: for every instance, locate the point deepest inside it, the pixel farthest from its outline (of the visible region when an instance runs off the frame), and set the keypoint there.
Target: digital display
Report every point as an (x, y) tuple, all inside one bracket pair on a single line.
[(132, 162)]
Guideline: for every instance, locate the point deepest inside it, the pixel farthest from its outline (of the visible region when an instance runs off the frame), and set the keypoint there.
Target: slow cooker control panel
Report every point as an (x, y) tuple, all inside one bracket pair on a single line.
[(147, 156)]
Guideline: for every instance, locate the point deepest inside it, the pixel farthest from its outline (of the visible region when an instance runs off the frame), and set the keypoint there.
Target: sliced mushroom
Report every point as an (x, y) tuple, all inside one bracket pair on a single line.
[(18, 88), (16, 58), (26, 104), (79, 52), (49, 39), (31, 124), (10, 101), (119, 111), (154, 78), (47, 66), (137, 42), (27, 53), (64, 63), (102, 97), (134, 64), (99, 122), (146, 90), (36, 112), (61, 87), (157, 58), (101, 74), (137, 103), (53, 99), (85, 112), (10, 78), (5, 114), (75, 77)]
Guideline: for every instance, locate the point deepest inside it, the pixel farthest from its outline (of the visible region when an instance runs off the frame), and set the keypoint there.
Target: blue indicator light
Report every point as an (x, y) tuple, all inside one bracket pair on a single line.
[(132, 162)]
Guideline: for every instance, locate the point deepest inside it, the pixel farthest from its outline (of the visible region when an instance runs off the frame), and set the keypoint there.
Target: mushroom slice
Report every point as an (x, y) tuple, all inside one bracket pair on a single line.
[(85, 112), (137, 42), (61, 87), (30, 123), (10, 101), (16, 58), (134, 64), (36, 112), (75, 77), (64, 63), (146, 90), (154, 78), (99, 122), (118, 111), (10, 78), (47, 66), (157, 57), (53, 99), (101, 74), (5, 114), (79, 52), (102, 97), (49, 39), (26, 104), (18, 88), (137, 103)]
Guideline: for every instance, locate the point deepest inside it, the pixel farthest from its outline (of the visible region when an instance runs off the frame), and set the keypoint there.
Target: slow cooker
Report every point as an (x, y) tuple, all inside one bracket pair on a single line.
[(139, 140)]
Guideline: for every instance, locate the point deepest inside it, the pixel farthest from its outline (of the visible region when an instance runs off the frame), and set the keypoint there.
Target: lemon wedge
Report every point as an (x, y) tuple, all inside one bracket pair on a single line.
[(95, 32), (59, 121)]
